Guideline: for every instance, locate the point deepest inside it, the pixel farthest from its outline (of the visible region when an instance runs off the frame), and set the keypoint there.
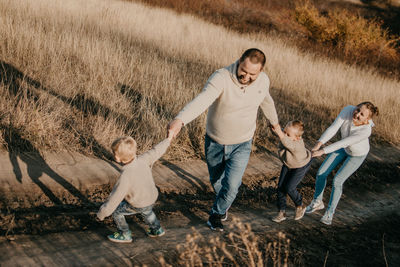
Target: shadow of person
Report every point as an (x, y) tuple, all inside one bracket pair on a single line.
[(196, 182), (12, 78), (135, 96), (193, 207), (21, 148)]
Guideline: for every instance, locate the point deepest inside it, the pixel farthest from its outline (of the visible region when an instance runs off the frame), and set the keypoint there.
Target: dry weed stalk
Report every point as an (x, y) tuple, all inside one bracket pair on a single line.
[(241, 247), (383, 250), (278, 249), (10, 227), (326, 258)]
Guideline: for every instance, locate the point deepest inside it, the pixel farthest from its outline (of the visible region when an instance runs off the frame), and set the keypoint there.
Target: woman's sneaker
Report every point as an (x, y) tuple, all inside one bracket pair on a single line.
[(155, 233), (280, 217), (327, 219), (316, 204), (120, 237), (300, 210)]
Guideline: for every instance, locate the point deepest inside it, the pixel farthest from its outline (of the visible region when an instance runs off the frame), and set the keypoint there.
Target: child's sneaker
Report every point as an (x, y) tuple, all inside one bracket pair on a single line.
[(214, 222), (327, 219), (300, 210), (315, 204), (119, 237), (280, 217), (155, 233)]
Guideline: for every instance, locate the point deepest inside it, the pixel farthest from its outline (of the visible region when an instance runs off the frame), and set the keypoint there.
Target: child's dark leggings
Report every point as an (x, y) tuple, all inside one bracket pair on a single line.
[(288, 181)]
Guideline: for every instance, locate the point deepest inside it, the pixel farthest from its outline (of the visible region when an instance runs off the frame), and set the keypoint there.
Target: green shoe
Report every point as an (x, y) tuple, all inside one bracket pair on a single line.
[(155, 233), (119, 237)]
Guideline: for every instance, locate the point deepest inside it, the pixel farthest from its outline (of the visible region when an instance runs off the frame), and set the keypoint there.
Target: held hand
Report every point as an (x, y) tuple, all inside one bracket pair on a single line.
[(175, 127), (99, 218), (316, 147), (275, 127), (317, 153), (277, 130)]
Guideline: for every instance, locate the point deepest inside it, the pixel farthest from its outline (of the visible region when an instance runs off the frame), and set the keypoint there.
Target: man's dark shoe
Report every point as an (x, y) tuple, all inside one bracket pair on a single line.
[(214, 222)]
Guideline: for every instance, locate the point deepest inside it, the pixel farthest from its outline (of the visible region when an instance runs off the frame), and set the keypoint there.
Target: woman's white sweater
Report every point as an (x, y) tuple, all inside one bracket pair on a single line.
[(354, 138)]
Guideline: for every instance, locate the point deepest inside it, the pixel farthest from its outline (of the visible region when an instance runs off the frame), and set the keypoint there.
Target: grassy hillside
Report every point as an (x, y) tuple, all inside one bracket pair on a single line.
[(357, 32), (75, 75)]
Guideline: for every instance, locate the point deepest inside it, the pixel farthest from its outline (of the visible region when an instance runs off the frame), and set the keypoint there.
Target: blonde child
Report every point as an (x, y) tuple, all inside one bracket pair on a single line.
[(296, 161), (135, 191)]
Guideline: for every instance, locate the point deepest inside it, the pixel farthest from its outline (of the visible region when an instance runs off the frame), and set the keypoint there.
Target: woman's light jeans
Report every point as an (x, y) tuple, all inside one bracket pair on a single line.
[(349, 166)]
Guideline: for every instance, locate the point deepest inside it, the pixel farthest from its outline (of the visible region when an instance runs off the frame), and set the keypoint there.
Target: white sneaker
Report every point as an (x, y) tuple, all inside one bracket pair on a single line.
[(315, 205), (326, 219), (224, 217)]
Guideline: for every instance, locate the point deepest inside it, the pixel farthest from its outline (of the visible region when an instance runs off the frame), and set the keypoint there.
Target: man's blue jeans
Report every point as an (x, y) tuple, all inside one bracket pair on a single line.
[(125, 208), (226, 165), (349, 166)]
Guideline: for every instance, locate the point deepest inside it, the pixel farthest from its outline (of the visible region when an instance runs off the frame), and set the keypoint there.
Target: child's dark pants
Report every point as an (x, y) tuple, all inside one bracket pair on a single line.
[(288, 181)]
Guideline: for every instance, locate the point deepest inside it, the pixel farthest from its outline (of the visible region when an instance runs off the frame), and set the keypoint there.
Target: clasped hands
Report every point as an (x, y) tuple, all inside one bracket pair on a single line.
[(173, 128)]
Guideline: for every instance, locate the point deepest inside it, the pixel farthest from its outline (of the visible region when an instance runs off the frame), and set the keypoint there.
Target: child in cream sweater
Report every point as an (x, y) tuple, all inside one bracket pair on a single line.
[(135, 191)]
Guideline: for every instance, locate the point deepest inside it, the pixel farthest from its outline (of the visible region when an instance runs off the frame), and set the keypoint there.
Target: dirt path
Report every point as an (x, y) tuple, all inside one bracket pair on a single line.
[(365, 231)]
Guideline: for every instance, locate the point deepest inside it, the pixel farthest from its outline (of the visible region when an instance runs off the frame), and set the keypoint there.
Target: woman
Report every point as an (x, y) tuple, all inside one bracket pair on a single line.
[(355, 123)]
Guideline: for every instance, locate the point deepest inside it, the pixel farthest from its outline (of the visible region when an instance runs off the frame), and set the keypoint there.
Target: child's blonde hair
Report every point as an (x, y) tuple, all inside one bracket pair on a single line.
[(124, 148), (298, 125)]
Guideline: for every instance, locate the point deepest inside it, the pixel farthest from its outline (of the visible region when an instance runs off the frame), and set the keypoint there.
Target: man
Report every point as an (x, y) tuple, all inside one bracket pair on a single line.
[(233, 95)]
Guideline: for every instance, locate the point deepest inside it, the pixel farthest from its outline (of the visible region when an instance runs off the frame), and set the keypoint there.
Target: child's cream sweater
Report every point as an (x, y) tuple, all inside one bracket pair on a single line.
[(136, 183), (293, 153)]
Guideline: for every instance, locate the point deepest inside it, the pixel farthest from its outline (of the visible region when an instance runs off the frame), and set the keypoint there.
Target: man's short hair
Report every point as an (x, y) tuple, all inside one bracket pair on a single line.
[(125, 148), (255, 55)]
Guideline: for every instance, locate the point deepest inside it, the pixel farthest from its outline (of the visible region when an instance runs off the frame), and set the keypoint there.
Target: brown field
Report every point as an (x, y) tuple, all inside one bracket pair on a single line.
[(75, 77), (356, 32)]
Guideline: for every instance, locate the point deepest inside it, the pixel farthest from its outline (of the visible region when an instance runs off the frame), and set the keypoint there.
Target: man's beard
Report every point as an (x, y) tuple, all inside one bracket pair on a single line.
[(240, 78)]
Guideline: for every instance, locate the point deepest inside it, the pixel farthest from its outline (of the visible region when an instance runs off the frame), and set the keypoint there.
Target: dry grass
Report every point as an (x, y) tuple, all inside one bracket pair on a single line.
[(242, 16), (241, 247), (336, 29), (358, 39), (75, 75)]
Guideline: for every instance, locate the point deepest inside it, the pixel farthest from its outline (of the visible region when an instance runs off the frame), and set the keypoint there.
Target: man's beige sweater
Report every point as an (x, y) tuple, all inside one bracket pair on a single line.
[(293, 153), (233, 107), (136, 183)]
